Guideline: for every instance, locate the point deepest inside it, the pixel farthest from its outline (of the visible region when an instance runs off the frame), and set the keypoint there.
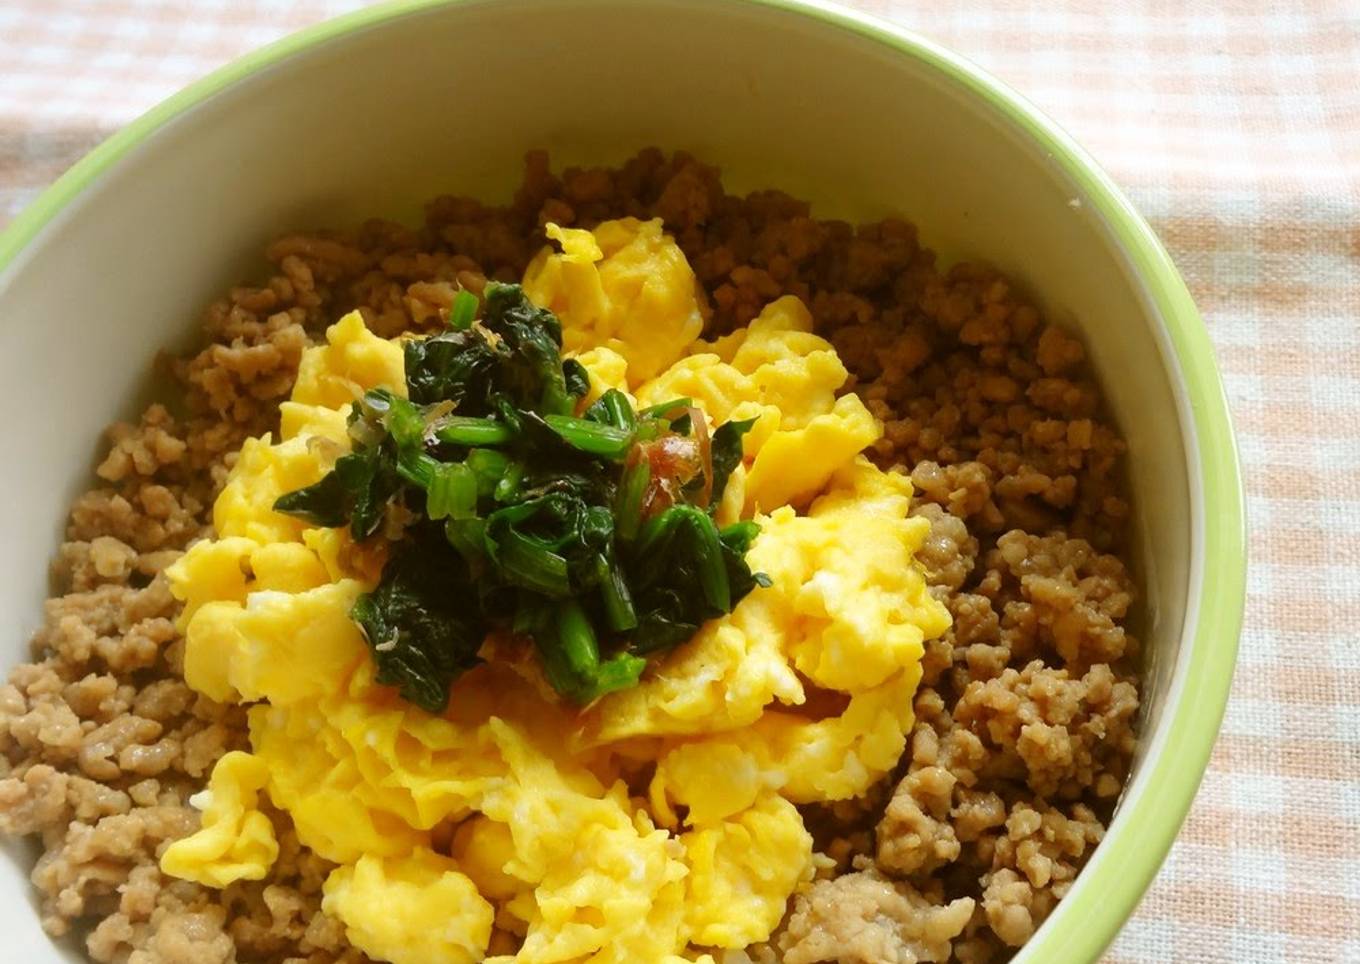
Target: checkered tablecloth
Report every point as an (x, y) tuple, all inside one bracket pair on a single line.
[(1235, 127)]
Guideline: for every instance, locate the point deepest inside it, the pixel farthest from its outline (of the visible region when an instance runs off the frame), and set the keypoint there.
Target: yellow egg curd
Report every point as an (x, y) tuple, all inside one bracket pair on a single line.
[(660, 823)]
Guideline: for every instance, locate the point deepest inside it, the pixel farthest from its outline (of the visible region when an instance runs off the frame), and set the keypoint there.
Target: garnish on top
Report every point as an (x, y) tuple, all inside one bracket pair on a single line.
[(591, 534)]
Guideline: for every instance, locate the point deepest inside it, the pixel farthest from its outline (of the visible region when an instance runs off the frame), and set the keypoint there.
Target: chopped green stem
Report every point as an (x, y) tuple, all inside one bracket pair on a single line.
[(617, 410), (656, 530), (712, 571), (550, 653), (575, 661), (416, 467), (665, 408), (509, 485), (619, 672), (489, 466), (405, 421), (463, 310), (592, 437), (464, 430), (452, 492), (468, 537), (650, 429), (740, 535), (628, 516), (576, 638), (530, 565), (618, 601)]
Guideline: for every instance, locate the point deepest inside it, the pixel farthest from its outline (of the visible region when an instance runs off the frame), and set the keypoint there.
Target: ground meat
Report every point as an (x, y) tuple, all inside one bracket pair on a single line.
[(1062, 736), (1025, 717), (949, 551), (1058, 590), (864, 918), (915, 835), (1027, 701), (1040, 853)]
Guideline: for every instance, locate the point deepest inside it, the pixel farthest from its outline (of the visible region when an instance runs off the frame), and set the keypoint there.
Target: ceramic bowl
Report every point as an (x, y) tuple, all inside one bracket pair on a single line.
[(372, 113)]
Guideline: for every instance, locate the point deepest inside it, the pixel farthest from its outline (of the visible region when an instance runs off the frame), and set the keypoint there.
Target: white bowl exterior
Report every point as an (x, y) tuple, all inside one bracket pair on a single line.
[(447, 100)]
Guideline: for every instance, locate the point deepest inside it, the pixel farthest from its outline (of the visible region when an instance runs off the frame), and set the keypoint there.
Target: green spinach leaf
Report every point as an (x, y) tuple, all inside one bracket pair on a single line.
[(422, 622)]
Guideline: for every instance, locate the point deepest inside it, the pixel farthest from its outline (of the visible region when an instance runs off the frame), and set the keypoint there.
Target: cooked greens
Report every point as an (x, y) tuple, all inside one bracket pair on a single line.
[(591, 534)]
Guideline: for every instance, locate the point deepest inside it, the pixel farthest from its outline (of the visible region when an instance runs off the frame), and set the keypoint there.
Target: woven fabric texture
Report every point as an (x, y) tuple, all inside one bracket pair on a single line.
[(1235, 128)]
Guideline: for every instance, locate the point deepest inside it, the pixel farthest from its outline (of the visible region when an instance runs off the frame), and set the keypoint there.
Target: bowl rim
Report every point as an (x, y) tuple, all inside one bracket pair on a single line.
[(1112, 883)]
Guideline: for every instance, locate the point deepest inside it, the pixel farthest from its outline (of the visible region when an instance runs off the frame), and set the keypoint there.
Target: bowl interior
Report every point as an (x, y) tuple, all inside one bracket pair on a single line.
[(375, 119)]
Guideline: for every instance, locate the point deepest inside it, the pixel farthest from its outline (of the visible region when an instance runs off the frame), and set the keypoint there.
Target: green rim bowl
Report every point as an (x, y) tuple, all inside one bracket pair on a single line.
[(372, 112)]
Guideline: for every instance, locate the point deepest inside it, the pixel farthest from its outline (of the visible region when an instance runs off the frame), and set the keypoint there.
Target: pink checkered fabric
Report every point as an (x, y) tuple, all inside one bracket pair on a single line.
[(1235, 126)]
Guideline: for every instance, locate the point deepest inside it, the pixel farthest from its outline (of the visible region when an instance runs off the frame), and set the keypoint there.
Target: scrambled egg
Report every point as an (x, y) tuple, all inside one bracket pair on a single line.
[(413, 907), (657, 825), (626, 287), (236, 841), (776, 371)]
